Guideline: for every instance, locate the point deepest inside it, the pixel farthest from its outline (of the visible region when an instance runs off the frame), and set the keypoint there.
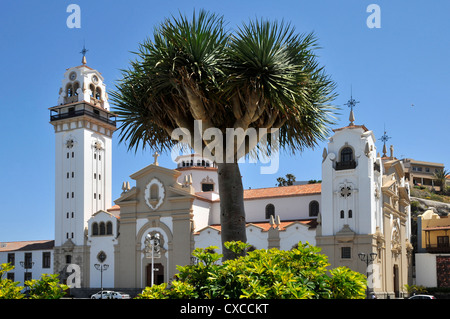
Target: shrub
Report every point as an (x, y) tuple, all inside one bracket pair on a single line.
[(9, 289), (300, 273), (47, 287)]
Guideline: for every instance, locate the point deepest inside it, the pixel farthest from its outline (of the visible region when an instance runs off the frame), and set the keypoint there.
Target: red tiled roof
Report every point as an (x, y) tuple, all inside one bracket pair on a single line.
[(265, 226), (283, 191), (114, 208), (351, 126)]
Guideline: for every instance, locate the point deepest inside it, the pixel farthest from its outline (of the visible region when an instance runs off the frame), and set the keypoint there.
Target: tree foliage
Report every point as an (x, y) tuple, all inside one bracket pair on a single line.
[(300, 273), (47, 287), (9, 289), (262, 74)]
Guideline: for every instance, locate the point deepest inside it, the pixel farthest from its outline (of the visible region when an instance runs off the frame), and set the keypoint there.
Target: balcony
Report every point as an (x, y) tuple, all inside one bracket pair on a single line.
[(105, 116), (345, 165), (438, 249)]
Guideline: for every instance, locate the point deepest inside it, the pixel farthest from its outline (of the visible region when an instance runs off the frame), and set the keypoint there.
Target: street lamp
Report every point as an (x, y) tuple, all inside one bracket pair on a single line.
[(26, 265), (368, 259), (101, 267), (152, 243)]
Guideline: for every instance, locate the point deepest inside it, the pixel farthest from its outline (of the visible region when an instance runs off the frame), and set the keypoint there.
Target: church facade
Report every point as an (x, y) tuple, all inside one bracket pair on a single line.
[(359, 215)]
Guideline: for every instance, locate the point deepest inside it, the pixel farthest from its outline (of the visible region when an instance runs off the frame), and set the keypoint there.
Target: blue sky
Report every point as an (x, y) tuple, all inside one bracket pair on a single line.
[(403, 63)]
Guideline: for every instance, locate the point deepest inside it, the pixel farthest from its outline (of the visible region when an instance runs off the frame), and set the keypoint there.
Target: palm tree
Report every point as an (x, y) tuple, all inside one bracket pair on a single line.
[(441, 177), (196, 75)]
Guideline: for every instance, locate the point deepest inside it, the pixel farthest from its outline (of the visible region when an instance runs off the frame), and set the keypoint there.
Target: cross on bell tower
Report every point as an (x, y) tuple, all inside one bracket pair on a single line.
[(384, 138), (84, 51), (351, 104)]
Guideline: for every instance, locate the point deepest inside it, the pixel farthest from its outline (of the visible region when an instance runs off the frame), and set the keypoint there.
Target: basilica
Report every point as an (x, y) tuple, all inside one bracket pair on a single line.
[(359, 215)]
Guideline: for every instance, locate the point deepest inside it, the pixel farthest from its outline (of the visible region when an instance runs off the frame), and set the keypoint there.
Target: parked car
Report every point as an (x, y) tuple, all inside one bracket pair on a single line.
[(422, 297), (108, 294), (105, 294), (119, 295)]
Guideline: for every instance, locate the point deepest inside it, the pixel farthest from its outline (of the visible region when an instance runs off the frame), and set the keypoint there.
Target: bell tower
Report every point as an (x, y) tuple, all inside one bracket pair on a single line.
[(84, 126), (351, 195)]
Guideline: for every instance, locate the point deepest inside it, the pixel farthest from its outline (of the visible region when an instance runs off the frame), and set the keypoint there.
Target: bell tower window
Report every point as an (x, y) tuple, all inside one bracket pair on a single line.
[(92, 88), (69, 90), (346, 159), (76, 86), (98, 93), (346, 154)]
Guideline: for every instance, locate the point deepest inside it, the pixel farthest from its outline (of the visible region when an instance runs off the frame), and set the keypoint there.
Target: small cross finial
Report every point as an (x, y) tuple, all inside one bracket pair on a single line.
[(351, 104), (83, 60), (384, 139), (156, 158)]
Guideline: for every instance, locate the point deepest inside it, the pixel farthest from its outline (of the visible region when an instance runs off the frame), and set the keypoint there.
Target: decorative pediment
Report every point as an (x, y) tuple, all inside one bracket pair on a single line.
[(345, 235)]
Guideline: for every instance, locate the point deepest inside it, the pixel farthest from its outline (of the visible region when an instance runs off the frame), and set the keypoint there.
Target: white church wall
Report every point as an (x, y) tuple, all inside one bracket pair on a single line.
[(208, 237), (426, 270), (37, 269), (201, 211), (295, 233), (102, 243), (288, 208), (257, 237)]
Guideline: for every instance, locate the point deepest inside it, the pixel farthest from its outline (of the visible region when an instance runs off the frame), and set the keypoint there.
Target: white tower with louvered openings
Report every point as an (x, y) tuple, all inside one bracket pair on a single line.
[(83, 127), (351, 196)]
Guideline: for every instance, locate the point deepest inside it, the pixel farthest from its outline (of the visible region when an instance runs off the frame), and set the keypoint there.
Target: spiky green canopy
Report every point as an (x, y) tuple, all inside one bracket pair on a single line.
[(263, 75)]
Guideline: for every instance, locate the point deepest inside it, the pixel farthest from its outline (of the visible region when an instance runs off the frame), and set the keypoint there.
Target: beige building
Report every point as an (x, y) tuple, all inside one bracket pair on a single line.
[(433, 256), (421, 173)]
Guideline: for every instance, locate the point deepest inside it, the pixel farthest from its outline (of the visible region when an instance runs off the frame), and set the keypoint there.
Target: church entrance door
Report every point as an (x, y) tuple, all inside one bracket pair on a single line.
[(396, 282), (158, 274)]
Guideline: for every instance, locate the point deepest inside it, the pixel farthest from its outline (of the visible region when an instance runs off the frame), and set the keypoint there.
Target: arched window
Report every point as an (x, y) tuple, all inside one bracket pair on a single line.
[(313, 208), (94, 229), (69, 90), (98, 93), (342, 214), (350, 214), (102, 228), (346, 155), (109, 228), (92, 88), (270, 211), (76, 86)]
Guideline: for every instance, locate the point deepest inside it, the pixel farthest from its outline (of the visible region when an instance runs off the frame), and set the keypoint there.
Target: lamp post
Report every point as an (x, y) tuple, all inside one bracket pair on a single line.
[(368, 259), (26, 265), (101, 267), (152, 243)]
